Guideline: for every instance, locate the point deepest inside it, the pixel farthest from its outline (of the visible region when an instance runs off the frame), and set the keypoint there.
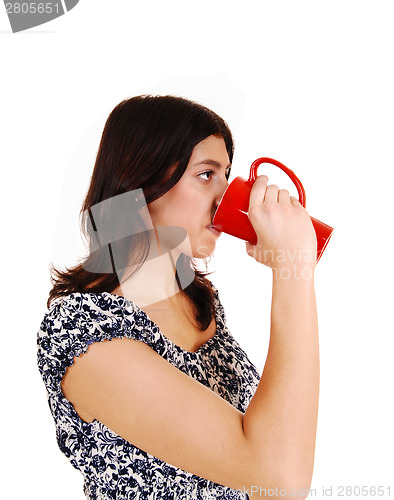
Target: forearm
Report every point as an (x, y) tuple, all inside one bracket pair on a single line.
[(281, 420)]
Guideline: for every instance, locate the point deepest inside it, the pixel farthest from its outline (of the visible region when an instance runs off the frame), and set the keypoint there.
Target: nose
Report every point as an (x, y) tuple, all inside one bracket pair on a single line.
[(220, 191)]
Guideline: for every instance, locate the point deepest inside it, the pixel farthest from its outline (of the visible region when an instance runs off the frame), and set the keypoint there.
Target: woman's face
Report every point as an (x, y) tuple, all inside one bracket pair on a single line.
[(192, 202)]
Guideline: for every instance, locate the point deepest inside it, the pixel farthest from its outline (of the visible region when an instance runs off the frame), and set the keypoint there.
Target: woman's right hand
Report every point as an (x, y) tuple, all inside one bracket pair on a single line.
[(285, 234)]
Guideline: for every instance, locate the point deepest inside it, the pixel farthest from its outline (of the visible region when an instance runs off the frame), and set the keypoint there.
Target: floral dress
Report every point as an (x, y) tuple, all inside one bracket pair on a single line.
[(114, 468)]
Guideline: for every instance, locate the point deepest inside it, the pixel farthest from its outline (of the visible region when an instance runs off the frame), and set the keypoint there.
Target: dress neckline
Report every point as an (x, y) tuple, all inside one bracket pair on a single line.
[(129, 303), (179, 348)]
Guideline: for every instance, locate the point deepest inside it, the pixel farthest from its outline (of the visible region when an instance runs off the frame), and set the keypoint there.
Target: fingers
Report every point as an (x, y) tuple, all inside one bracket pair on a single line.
[(284, 196), (258, 193), (295, 202), (262, 193), (271, 194)]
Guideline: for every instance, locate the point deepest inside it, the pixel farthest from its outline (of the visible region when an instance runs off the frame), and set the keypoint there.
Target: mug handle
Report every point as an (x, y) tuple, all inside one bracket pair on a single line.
[(290, 173)]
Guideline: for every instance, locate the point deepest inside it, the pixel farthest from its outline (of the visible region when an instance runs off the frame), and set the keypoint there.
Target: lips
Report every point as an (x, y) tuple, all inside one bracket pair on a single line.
[(213, 230)]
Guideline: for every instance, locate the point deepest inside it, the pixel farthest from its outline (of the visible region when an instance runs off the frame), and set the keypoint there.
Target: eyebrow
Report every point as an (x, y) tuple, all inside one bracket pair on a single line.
[(213, 163)]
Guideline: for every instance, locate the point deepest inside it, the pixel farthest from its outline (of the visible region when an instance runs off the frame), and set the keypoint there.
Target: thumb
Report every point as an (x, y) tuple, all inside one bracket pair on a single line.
[(250, 249)]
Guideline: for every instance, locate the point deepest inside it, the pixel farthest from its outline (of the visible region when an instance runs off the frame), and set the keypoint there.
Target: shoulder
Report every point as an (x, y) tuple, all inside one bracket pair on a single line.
[(73, 322), (87, 314)]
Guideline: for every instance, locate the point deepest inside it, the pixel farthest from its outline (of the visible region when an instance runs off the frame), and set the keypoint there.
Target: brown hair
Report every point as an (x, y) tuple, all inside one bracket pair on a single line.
[(146, 144)]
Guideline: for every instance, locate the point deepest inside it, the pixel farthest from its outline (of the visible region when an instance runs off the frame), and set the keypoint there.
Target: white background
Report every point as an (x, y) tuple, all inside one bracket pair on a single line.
[(309, 83)]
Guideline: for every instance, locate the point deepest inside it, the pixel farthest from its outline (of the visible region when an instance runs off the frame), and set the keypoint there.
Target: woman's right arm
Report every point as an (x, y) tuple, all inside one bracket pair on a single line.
[(288, 393), (135, 392)]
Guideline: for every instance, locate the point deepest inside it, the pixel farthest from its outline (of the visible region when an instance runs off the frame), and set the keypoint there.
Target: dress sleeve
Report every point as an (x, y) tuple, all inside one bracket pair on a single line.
[(75, 322)]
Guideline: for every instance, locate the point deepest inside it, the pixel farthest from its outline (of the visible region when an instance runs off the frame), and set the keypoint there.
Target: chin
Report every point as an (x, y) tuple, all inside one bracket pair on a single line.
[(203, 252)]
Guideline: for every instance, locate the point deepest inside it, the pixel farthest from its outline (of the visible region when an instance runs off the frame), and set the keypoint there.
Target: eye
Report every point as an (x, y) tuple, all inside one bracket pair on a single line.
[(206, 175)]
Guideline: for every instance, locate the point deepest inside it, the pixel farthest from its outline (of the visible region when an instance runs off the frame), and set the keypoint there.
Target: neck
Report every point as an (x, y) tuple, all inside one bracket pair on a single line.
[(154, 282)]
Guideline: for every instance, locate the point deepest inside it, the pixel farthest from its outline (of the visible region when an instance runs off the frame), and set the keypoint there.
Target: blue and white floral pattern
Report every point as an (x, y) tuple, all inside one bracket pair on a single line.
[(112, 467)]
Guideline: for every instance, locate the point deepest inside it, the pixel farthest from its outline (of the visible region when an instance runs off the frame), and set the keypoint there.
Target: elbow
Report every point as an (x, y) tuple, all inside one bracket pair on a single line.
[(270, 473), (298, 489), (296, 484), (284, 485), (284, 490)]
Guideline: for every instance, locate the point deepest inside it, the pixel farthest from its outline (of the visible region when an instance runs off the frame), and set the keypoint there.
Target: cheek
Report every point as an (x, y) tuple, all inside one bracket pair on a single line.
[(184, 208), (175, 212), (181, 206)]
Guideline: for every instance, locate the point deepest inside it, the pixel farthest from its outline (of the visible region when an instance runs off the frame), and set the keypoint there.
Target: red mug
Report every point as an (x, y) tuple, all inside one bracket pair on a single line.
[(231, 216)]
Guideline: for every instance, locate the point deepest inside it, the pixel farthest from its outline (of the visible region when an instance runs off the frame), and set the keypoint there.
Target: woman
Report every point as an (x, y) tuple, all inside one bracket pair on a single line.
[(151, 395)]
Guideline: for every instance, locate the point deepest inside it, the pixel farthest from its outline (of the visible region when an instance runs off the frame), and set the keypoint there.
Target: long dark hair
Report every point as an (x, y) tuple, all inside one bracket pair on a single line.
[(146, 144)]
